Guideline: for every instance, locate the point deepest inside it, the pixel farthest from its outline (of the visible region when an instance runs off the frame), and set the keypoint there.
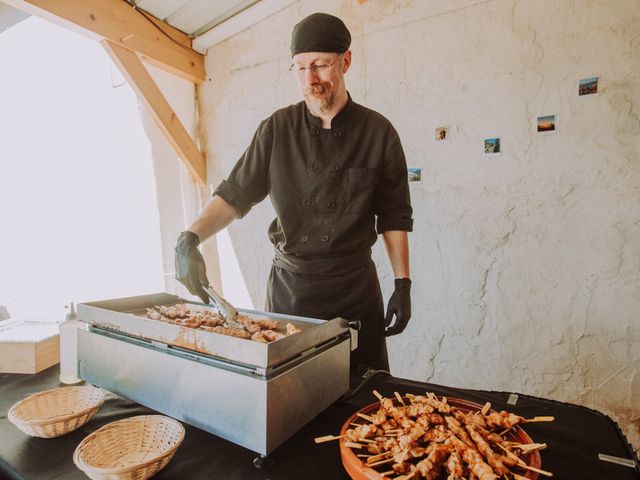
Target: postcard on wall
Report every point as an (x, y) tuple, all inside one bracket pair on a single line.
[(492, 146), (588, 86), (415, 174), (547, 124), (442, 135)]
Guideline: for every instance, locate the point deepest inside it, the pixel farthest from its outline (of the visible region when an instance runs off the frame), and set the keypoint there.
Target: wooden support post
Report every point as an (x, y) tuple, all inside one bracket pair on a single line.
[(149, 93)]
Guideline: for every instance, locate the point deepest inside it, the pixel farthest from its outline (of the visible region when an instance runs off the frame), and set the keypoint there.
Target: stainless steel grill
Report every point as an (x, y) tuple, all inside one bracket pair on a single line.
[(253, 394)]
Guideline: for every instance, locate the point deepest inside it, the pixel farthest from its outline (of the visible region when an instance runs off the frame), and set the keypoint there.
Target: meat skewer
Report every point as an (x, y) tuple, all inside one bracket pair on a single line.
[(454, 466), (427, 438), (259, 330), (291, 329), (485, 449), (476, 464)]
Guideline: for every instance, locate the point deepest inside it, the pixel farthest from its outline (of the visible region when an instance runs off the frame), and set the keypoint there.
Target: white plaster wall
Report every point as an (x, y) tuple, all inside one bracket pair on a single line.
[(526, 266)]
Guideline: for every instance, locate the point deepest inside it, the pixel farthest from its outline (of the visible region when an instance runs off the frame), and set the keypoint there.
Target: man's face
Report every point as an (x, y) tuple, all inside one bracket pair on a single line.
[(320, 77)]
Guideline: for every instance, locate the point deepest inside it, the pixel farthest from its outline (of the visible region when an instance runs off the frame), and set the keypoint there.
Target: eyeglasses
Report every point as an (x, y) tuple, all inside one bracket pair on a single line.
[(314, 68)]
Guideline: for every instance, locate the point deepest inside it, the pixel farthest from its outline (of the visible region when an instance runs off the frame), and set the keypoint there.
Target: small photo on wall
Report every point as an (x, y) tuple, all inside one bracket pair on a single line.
[(588, 86), (547, 124), (491, 146), (442, 134), (415, 174)]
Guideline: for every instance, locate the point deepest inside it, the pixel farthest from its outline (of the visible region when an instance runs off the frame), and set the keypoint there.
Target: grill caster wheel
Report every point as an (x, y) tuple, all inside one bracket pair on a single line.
[(262, 461)]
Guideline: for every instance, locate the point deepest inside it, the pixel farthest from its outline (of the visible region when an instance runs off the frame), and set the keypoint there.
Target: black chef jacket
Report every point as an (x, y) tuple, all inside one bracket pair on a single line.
[(332, 190)]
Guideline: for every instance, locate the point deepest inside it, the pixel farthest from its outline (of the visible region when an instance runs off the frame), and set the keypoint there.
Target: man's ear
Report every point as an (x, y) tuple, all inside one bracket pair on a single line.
[(346, 61)]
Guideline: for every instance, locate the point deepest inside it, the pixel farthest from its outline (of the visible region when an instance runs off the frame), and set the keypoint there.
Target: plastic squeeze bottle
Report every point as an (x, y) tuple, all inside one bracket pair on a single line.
[(69, 348)]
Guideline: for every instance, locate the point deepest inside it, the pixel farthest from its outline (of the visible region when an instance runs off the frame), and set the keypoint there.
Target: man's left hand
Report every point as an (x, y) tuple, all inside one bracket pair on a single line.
[(400, 306)]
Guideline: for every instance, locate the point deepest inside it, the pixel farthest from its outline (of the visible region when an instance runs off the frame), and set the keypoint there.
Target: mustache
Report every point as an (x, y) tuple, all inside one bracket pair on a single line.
[(317, 89)]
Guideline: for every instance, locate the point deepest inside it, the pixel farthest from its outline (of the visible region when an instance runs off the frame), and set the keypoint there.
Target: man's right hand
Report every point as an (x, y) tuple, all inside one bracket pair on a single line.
[(190, 268)]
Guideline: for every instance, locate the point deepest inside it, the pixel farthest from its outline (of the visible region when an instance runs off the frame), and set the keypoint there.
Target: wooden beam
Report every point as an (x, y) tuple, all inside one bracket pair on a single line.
[(140, 80), (173, 32), (122, 24)]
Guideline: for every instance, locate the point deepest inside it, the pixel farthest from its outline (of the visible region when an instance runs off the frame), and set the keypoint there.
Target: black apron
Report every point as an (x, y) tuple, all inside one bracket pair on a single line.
[(324, 289)]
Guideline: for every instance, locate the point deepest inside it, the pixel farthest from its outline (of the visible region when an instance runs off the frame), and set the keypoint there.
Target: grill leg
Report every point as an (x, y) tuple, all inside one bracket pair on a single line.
[(262, 461)]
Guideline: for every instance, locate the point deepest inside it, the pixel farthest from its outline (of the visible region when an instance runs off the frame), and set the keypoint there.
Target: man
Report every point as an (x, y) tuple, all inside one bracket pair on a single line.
[(335, 172)]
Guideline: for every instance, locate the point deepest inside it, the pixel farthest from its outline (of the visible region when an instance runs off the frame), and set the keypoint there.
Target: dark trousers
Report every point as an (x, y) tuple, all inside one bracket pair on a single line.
[(354, 295)]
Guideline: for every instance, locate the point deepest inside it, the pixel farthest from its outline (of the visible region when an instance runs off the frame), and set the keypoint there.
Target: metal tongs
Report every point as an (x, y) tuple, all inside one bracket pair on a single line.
[(227, 310)]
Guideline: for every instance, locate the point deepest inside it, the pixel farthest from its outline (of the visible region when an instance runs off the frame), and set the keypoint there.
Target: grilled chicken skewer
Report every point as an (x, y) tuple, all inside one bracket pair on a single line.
[(427, 438)]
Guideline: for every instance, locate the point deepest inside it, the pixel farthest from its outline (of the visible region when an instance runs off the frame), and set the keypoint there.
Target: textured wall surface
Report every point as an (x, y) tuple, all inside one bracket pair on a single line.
[(526, 265)]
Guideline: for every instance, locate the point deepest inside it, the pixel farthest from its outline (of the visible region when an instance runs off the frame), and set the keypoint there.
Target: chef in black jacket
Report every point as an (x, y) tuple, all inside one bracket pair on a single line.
[(336, 175)]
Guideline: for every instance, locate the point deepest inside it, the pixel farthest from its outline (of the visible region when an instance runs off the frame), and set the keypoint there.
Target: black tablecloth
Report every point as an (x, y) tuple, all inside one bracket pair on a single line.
[(574, 440)]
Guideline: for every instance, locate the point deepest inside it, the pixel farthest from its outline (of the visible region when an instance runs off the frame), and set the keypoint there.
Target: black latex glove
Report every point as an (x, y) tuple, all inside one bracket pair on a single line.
[(400, 306), (190, 268)]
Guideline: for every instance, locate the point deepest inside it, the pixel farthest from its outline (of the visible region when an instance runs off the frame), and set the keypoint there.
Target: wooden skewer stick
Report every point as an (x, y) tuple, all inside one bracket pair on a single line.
[(366, 417), (362, 455), (538, 419), (380, 456), (537, 470), (381, 462), (400, 399), (519, 477), (510, 454), (411, 475), (387, 473), (531, 447), (486, 408), (404, 455), (328, 438), (353, 445), (378, 396)]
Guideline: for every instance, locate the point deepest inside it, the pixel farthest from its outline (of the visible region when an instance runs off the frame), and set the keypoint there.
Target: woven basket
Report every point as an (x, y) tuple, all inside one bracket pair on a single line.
[(57, 411), (131, 449)]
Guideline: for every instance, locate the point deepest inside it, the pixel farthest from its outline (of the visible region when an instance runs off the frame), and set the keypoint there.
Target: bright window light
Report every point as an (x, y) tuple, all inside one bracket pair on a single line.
[(78, 206)]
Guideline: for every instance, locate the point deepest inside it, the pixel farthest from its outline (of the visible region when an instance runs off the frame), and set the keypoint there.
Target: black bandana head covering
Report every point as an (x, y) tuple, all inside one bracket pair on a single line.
[(320, 32)]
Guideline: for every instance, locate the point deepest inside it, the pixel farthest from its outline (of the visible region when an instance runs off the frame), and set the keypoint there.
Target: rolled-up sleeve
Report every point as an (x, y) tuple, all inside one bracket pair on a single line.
[(248, 182), (392, 201)]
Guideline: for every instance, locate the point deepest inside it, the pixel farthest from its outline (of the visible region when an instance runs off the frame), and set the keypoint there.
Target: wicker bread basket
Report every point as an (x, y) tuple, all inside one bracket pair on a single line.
[(131, 449), (57, 411)]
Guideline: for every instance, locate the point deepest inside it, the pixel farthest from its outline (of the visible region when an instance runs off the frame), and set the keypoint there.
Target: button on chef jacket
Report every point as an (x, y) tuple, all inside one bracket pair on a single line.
[(333, 191)]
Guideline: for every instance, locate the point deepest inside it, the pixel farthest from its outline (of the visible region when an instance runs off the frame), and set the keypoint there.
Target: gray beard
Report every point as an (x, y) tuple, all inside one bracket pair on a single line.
[(320, 106)]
